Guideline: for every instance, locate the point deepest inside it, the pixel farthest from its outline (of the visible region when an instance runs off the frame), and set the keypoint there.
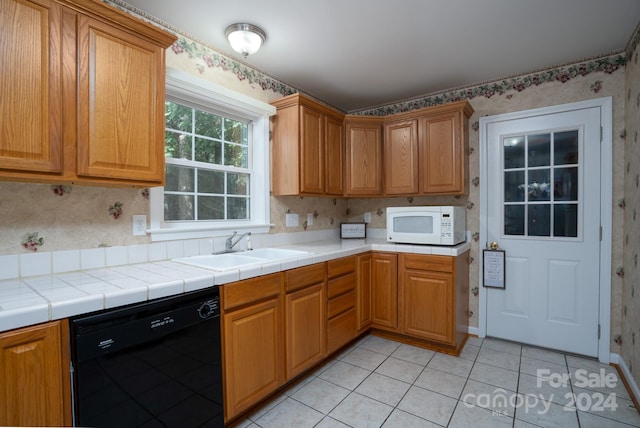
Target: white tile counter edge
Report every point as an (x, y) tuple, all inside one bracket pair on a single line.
[(31, 300)]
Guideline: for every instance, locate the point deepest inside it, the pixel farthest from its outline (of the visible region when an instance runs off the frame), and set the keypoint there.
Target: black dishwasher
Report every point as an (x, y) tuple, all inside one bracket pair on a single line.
[(153, 364)]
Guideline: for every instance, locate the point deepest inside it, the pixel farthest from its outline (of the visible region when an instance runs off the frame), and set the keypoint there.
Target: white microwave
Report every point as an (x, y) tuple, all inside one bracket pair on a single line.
[(431, 225)]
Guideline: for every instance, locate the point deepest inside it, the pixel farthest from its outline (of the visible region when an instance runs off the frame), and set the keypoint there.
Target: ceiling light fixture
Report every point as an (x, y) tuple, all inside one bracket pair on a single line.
[(245, 39)]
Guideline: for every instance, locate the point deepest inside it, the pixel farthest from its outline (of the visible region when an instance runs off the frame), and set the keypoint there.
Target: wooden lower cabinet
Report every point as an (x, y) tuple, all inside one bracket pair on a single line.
[(305, 331), (341, 303), (305, 325), (433, 298), (363, 280), (34, 376), (276, 327), (427, 305), (384, 302), (252, 341)]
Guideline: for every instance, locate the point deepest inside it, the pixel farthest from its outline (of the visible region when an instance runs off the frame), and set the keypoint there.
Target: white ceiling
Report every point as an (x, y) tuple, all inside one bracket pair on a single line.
[(355, 54)]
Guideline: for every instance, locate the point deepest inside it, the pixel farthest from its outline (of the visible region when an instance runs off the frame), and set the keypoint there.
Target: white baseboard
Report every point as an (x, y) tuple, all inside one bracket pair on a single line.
[(472, 330), (617, 359)]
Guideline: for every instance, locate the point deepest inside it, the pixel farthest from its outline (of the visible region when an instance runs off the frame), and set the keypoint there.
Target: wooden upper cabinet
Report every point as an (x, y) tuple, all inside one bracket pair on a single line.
[(121, 116), (401, 157), (306, 136), (334, 156), (30, 86), (311, 151), (425, 151), (443, 150), (34, 368), (103, 69), (363, 156)]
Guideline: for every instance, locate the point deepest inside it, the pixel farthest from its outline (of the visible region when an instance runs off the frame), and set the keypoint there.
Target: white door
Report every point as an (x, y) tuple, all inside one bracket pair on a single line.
[(543, 209)]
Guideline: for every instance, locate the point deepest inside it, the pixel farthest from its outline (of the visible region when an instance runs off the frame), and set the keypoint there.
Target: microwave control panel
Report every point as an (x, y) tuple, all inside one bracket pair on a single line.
[(446, 226)]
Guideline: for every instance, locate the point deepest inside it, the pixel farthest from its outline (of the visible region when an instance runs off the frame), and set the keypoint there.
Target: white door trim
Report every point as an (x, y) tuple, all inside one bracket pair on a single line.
[(606, 206)]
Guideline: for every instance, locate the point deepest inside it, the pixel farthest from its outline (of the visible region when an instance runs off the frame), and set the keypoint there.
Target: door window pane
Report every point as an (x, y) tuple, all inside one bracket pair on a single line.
[(514, 186), (539, 220), (538, 187), (514, 220), (565, 220), (565, 148), (538, 150), (565, 187), (514, 152), (541, 183)]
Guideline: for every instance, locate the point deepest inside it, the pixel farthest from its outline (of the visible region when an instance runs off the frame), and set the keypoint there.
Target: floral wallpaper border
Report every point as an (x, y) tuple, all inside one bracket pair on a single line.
[(520, 83)]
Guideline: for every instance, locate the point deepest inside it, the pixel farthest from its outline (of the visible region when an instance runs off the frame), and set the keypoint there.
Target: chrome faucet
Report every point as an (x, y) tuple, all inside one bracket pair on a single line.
[(229, 243)]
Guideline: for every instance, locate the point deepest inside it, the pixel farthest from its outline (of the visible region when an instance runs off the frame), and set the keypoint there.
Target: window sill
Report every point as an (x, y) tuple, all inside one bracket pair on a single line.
[(174, 233)]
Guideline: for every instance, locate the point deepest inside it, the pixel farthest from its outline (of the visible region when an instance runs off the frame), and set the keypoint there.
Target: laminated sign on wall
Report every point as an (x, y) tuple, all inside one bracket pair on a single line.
[(493, 265)]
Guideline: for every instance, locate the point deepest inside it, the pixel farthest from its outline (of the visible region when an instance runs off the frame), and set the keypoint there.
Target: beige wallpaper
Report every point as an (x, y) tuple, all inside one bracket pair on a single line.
[(630, 271), (47, 218)]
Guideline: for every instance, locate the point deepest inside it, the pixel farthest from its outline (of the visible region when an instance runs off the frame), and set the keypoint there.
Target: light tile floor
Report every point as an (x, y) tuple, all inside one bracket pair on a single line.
[(381, 383)]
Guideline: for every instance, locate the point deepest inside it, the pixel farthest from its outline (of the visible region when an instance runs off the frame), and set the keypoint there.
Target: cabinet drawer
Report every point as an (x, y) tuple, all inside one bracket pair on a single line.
[(341, 266), (341, 330), (341, 285), (341, 303), (428, 262), (250, 290), (304, 276)]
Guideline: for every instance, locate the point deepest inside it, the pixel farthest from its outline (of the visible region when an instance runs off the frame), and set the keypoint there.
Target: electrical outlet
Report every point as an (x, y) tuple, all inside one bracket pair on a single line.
[(139, 225), (367, 217)]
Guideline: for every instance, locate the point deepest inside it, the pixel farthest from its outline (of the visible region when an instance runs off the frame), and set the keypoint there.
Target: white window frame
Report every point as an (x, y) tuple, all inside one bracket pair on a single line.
[(214, 98)]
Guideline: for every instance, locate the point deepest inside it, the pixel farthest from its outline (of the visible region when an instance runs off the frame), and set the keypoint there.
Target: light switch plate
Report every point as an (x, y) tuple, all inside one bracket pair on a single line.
[(309, 219), (367, 217), (291, 220)]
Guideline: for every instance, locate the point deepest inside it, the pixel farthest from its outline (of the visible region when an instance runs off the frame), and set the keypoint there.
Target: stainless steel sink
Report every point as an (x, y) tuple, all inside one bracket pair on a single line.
[(237, 260)]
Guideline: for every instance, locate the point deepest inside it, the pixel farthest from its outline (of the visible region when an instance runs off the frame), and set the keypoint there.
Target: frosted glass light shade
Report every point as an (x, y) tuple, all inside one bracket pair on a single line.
[(245, 39)]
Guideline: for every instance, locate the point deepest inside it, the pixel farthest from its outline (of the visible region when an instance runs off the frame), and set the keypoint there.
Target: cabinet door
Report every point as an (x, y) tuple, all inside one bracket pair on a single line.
[(428, 305), (364, 159), (334, 156), (442, 154), (252, 355), (384, 307), (34, 368), (311, 151), (363, 290), (401, 157), (121, 104), (30, 86), (305, 329)]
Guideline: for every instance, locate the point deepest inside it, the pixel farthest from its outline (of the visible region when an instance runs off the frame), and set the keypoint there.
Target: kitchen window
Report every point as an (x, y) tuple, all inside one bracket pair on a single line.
[(217, 162)]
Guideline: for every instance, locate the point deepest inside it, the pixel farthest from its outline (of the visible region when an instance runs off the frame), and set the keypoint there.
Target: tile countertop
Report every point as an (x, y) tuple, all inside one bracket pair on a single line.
[(34, 299)]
